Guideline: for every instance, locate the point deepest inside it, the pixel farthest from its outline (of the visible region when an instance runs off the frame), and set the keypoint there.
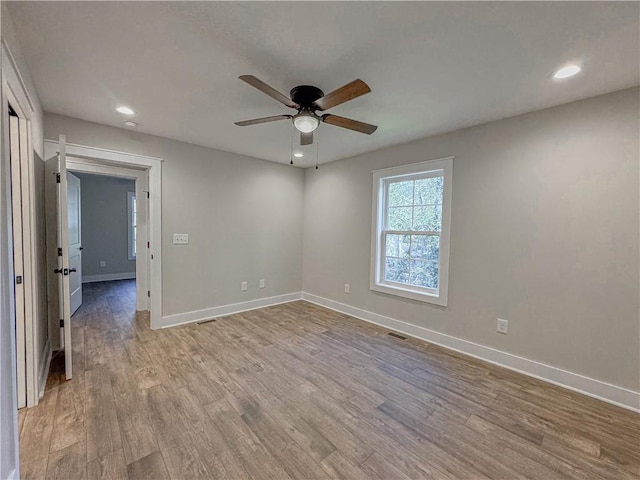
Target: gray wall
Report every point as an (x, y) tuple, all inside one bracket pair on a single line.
[(544, 233), (105, 224), (243, 217)]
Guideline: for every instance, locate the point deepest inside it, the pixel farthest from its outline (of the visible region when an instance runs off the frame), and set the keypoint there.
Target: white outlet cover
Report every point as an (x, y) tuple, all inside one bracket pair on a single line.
[(244, 286), (347, 288), (262, 283), (180, 238)]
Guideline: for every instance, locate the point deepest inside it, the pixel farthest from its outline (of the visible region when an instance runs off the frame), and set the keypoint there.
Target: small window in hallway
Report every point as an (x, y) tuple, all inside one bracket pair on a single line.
[(132, 210)]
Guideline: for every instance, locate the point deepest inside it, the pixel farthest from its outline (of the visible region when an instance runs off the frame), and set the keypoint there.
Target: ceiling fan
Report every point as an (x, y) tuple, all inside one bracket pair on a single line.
[(308, 100)]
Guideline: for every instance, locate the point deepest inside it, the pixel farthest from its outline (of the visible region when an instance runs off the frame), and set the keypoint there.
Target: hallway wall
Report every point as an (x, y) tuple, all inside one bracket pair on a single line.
[(105, 227)]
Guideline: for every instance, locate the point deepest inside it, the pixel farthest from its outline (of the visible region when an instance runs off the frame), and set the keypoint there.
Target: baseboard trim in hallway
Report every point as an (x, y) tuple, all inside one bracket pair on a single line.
[(108, 277), (208, 313), (606, 392)]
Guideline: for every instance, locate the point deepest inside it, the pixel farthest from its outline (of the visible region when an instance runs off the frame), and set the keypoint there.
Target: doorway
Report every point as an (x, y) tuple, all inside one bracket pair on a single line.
[(102, 231), (68, 161)]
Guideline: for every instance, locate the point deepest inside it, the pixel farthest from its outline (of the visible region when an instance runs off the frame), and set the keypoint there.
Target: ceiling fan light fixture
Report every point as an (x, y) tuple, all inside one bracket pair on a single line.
[(305, 123)]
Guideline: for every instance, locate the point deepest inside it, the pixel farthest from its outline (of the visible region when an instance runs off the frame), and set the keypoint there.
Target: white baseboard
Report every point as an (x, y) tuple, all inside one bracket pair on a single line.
[(607, 392), (207, 313), (13, 474), (43, 371), (107, 277)]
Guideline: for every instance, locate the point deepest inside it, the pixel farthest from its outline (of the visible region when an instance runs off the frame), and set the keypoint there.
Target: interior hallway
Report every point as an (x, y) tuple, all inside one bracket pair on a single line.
[(299, 391)]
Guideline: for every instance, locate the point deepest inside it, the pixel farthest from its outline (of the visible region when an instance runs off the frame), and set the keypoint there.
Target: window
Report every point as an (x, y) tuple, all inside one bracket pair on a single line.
[(410, 238), (132, 222)]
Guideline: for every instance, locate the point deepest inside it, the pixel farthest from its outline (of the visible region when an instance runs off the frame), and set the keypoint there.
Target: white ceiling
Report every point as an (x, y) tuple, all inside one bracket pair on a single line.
[(432, 67)]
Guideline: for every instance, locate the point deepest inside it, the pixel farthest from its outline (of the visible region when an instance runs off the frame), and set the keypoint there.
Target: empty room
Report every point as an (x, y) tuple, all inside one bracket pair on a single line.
[(320, 240)]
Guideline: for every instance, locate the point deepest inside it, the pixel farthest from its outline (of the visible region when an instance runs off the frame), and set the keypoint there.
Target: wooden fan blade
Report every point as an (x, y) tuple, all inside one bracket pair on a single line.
[(306, 138), (349, 123), (343, 94), (272, 92), (256, 121)]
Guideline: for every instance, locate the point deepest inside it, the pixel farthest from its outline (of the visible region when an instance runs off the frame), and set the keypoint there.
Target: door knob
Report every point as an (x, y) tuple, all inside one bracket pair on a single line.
[(80, 248), (72, 270)]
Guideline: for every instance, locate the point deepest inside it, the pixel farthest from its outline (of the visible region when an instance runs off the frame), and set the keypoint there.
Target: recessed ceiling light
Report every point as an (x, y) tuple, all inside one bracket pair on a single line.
[(125, 110), (298, 155), (129, 123), (566, 72)]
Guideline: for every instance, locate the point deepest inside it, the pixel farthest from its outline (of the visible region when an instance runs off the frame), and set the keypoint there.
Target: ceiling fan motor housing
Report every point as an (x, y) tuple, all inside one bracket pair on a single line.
[(305, 95)]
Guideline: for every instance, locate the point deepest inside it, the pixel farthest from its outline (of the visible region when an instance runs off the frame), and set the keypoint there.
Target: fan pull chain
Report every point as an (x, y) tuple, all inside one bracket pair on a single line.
[(291, 152), (317, 145)]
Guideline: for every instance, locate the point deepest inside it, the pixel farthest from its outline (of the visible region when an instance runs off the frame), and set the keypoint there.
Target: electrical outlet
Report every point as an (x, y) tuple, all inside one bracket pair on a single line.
[(180, 238), (244, 286), (502, 326), (262, 283), (347, 288), (103, 264)]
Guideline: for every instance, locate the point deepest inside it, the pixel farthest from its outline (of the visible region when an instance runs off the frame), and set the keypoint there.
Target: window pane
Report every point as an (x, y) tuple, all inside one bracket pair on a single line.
[(401, 193), (399, 218), (396, 270), (392, 245), (427, 218), (398, 245), (428, 191), (424, 273), (426, 247)]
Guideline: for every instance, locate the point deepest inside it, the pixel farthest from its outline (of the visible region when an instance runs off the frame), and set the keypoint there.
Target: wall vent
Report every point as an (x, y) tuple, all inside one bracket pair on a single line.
[(206, 321), (397, 335)]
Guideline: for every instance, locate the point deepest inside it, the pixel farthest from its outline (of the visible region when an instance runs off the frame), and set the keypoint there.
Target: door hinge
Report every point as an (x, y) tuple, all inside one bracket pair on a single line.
[(148, 244), (149, 293), (147, 194), (59, 251), (57, 178), (61, 323), (18, 279)]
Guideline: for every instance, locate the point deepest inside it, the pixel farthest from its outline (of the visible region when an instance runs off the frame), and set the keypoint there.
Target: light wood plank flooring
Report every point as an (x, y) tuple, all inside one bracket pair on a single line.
[(298, 391)]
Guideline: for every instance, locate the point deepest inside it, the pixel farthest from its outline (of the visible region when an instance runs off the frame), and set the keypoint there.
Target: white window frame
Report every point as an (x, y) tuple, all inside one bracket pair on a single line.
[(381, 178), (131, 242)]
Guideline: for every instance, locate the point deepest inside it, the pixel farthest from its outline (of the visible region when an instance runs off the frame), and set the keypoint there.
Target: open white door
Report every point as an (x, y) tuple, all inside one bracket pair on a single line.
[(59, 273), (75, 243), (18, 267)]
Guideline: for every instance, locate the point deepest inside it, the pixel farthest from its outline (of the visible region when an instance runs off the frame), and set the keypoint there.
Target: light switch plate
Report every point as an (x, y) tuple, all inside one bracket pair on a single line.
[(502, 326), (180, 238)]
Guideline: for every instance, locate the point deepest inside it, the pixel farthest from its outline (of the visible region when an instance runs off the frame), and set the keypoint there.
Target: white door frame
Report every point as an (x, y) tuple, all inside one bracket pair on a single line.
[(15, 92), (147, 171)]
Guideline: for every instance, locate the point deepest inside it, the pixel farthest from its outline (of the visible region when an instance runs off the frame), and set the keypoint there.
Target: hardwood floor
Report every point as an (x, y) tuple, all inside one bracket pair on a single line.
[(299, 391)]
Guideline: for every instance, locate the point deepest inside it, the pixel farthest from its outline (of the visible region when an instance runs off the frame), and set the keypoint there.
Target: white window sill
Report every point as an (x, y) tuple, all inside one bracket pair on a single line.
[(421, 296)]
